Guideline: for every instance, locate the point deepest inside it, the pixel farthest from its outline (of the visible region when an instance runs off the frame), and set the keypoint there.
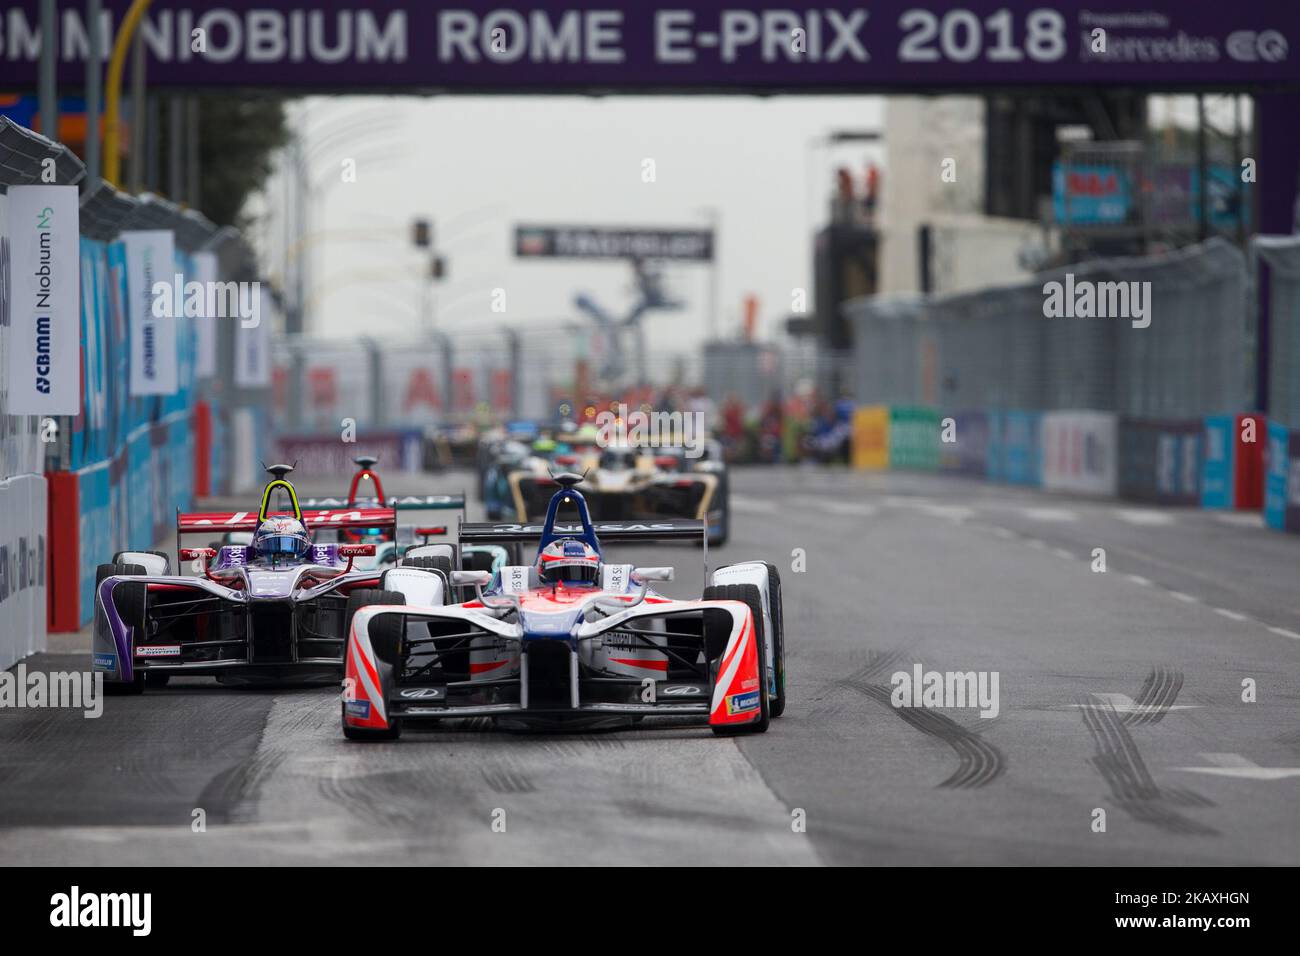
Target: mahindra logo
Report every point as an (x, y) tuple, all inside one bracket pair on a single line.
[(421, 693), (680, 690)]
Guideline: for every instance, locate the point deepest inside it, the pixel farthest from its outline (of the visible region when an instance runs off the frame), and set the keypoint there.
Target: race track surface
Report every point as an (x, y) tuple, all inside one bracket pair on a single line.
[(1119, 691)]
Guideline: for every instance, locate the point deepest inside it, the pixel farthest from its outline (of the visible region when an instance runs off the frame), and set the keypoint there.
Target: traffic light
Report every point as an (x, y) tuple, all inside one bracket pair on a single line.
[(422, 233), (437, 267)]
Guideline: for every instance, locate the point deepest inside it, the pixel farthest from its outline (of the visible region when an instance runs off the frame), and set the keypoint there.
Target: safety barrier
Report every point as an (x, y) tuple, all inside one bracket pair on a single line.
[(74, 488), (1152, 406), (1276, 262)]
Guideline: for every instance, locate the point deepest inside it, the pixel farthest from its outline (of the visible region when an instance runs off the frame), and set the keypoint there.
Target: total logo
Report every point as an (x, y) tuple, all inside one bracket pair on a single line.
[(1250, 46)]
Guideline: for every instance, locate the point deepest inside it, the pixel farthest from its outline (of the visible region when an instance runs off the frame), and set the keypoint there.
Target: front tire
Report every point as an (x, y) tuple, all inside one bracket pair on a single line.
[(370, 734), (778, 636), (750, 595)]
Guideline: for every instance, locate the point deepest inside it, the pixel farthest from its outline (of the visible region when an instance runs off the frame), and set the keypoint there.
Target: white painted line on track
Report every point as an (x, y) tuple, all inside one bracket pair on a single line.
[(1241, 519), (1186, 598), (1235, 765), (850, 508), (1283, 632), (952, 512), (1138, 579), (1049, 514), (756, 506), (1144, 517), (1230, 615), (854, 509)]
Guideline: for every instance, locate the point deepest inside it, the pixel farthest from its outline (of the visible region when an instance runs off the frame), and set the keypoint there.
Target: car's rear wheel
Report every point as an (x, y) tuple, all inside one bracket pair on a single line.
[(750, 595)]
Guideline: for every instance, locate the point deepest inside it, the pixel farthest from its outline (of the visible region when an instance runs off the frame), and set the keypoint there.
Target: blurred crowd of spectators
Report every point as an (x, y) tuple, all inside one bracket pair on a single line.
[(799, 427)]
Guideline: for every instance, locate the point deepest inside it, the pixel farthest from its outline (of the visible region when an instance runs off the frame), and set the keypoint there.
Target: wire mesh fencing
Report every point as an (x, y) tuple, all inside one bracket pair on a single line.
[(1281, 257), (1163, 336)]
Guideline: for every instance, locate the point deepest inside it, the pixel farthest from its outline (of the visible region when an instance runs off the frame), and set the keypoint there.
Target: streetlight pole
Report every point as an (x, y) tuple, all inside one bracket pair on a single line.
[(94, 63), (49, 95)]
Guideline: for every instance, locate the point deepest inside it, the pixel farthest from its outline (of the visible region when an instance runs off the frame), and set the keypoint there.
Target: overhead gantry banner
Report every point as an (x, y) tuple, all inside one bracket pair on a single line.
[(633, 46)]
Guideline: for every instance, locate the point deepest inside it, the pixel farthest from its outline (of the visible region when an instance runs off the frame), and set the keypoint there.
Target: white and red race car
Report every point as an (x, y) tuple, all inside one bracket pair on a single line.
[(569, 641)]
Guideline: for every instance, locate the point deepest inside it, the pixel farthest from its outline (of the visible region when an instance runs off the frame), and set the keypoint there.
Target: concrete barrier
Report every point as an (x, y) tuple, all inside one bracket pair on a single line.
[(24, 546)]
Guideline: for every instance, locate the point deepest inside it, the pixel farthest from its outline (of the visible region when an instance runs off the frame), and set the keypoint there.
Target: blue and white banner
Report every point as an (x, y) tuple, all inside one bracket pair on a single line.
[(205, 357), (43, 301), (150, 258)]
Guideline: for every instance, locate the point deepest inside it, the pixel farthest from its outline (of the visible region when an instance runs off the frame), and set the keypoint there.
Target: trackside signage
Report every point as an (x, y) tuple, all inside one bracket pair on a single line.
[(205, 356), (637, 45), (149, 258), (43, 301)]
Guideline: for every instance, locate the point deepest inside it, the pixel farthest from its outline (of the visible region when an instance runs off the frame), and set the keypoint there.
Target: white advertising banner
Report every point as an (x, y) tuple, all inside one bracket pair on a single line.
[(1080, 451), (205, 358), (44, 301), (150, 258), (253, 351)]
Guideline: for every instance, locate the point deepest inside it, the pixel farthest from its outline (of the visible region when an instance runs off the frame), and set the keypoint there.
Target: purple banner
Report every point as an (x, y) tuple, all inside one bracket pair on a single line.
[(635, 45)]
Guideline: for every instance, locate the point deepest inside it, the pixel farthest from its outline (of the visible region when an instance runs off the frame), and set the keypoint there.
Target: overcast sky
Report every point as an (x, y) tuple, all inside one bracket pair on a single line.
[(479, 165)]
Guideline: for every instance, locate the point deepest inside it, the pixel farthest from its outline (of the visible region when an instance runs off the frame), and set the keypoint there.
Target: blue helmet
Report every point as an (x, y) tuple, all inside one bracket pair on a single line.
[(281, 538)]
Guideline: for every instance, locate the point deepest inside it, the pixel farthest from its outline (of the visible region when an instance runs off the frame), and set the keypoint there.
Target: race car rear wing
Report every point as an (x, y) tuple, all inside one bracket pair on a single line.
[(223, 521), (635, 532), (400, 503), (667, 529)]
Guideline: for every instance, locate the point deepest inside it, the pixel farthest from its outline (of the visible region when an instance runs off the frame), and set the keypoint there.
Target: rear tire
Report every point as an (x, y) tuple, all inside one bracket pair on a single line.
[(750, 595)]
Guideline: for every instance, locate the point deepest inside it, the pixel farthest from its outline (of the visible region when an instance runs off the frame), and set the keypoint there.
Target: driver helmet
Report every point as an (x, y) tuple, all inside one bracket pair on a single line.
[(568, 561), (281, 538)]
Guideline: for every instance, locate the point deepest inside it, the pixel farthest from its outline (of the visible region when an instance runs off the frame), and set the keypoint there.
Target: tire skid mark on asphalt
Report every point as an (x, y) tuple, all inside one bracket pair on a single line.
[(1158, 694), (647, 796), (1135, 791), (979, 762)]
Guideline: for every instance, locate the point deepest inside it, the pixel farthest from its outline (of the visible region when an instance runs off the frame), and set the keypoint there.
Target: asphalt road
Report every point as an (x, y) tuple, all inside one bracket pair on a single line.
[(1119, 691)]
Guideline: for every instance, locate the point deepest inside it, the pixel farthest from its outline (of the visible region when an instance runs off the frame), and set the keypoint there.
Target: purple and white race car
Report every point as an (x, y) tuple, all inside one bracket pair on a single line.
[(277, 608)]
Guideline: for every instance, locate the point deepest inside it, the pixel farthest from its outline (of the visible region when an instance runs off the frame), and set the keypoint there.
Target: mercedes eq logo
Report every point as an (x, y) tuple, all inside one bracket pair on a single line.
[(1249, 46)]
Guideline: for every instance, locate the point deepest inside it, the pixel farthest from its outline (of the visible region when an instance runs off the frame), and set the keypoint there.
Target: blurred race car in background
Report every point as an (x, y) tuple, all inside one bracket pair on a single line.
[(625, 482), (276, 608), (567, 641), (367, 491)]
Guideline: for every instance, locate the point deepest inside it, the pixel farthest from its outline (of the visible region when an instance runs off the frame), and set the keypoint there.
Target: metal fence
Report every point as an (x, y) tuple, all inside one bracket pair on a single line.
[(488, 374), (1181, 347), (1281, 256)]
